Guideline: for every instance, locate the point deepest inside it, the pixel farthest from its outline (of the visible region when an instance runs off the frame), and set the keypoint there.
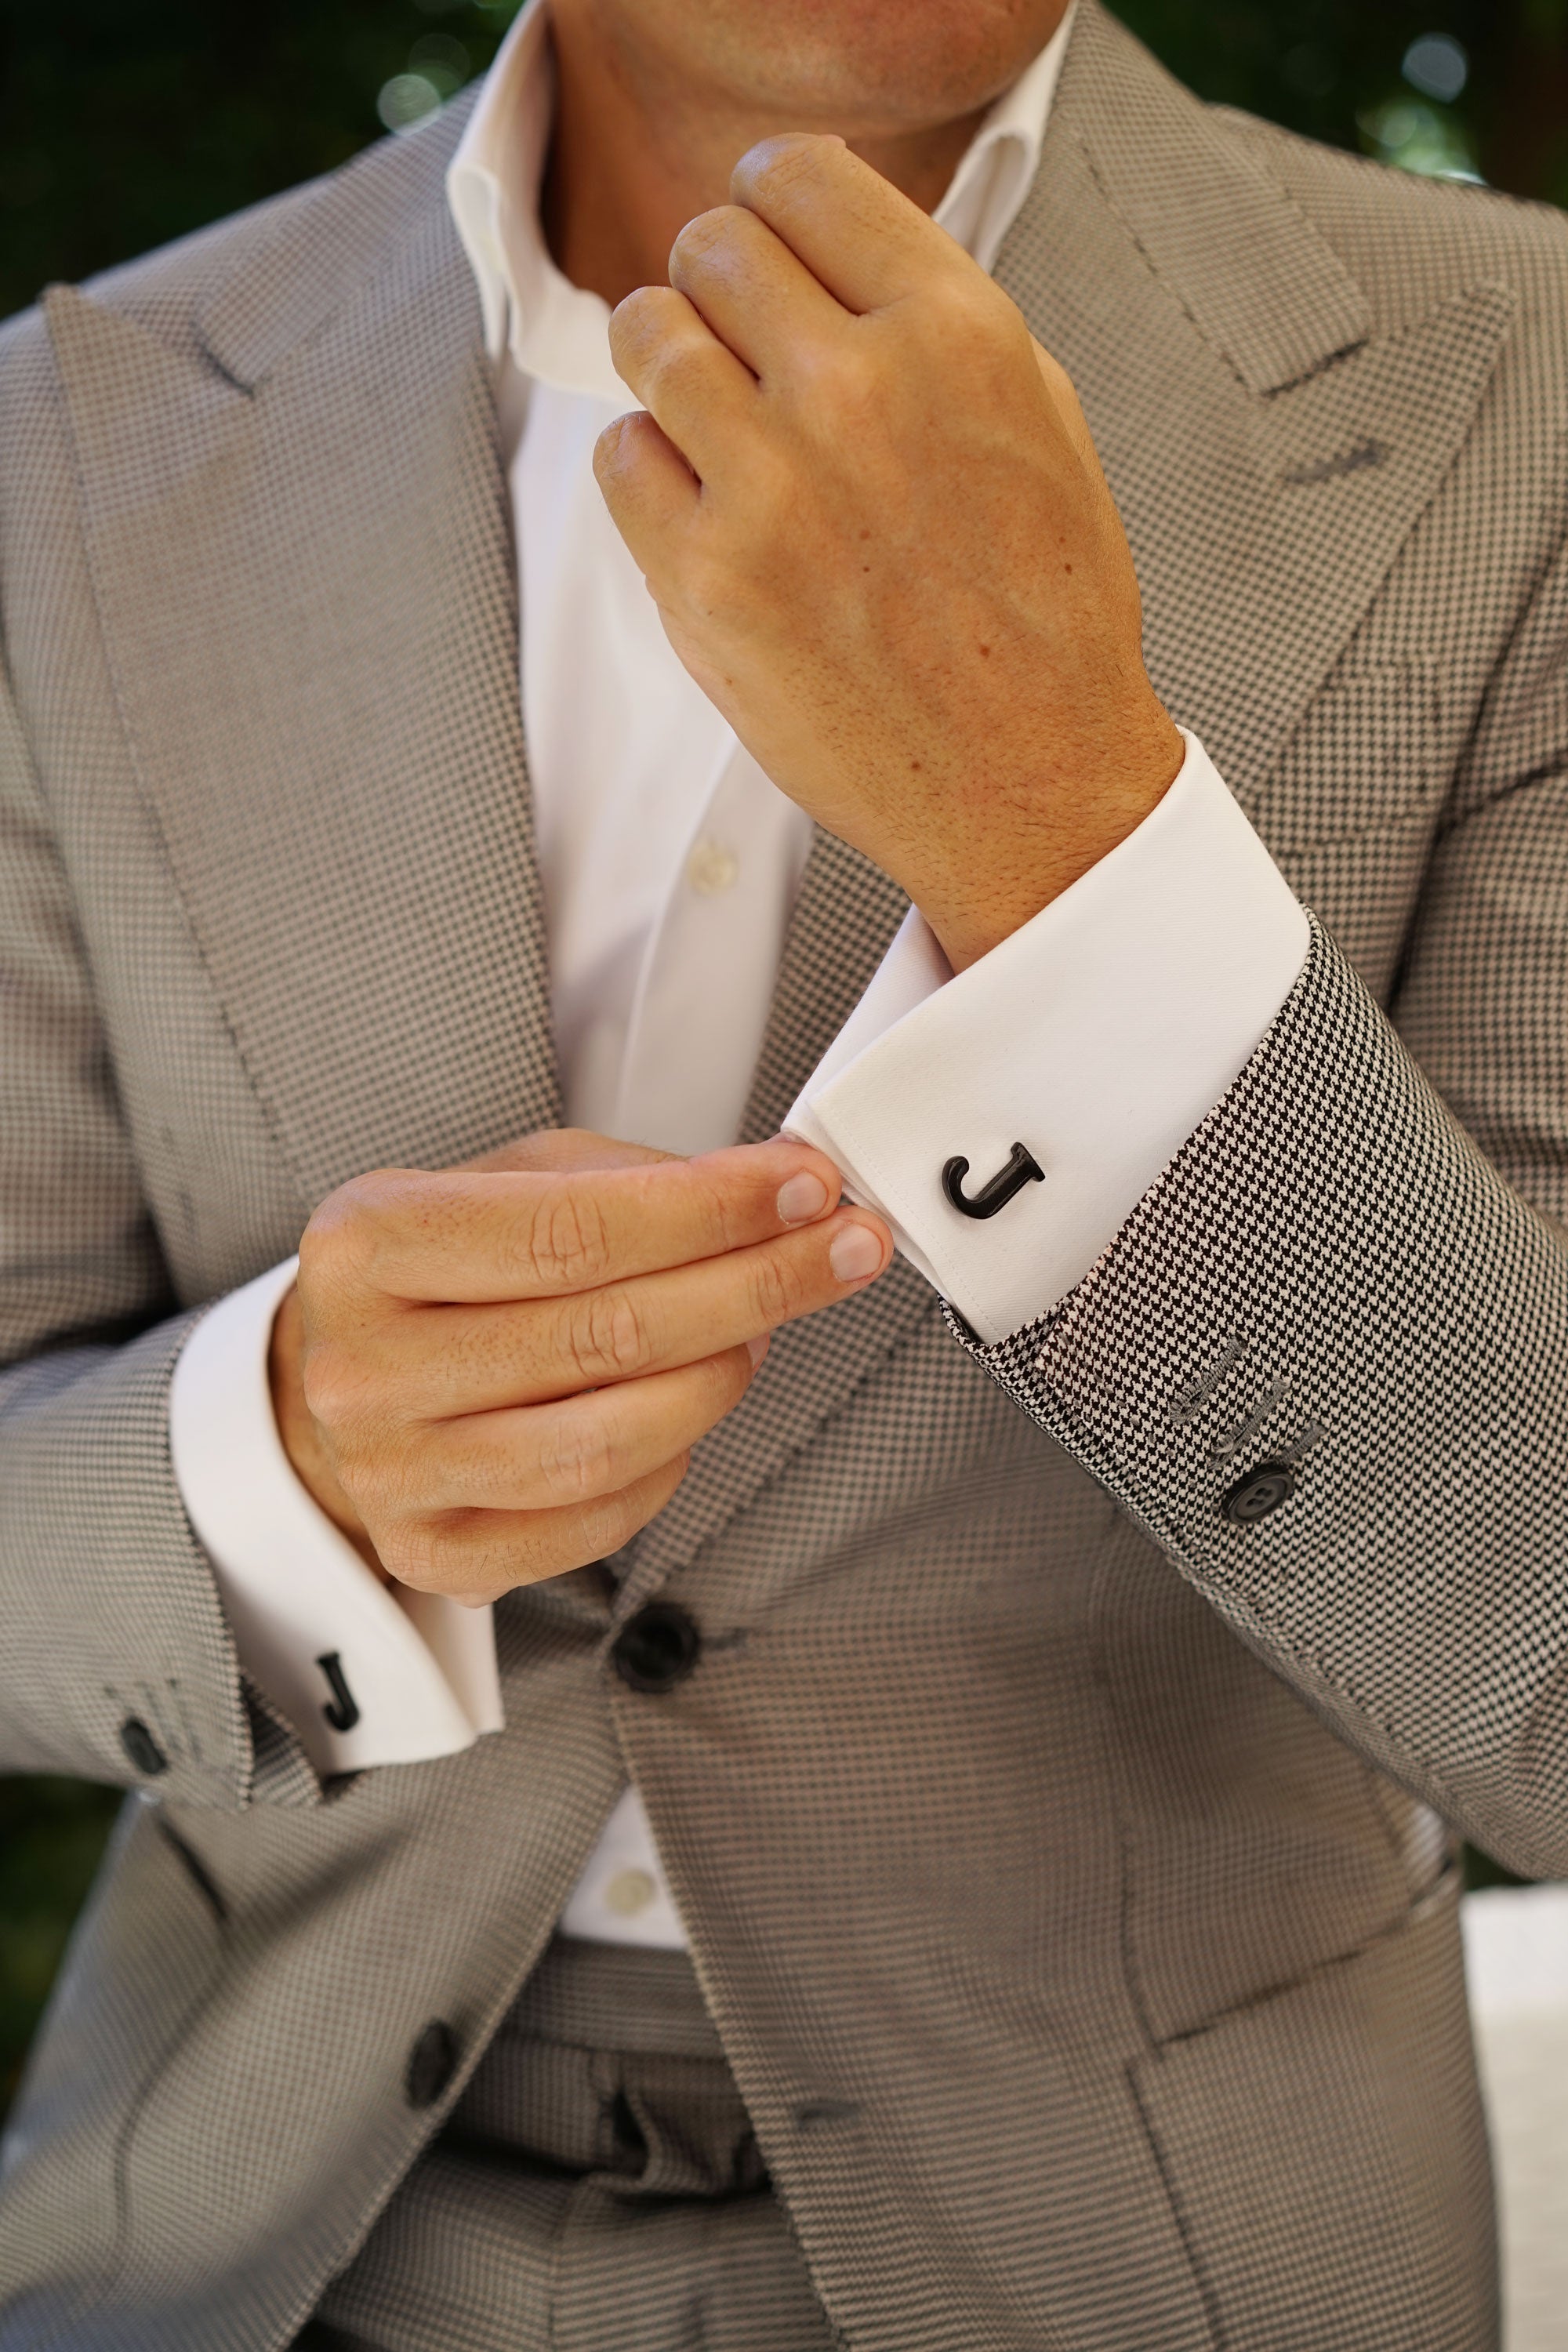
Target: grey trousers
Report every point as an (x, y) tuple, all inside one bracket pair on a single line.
[(597, 2187)]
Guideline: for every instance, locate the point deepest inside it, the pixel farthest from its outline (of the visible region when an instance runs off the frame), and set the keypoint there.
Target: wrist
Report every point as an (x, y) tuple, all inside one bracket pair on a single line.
[(975, 902), (297, 1431)]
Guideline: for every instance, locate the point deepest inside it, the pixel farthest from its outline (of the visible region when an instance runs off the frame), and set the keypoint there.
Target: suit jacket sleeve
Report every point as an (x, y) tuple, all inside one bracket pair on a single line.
[(1357, 1266), (112, 1616)]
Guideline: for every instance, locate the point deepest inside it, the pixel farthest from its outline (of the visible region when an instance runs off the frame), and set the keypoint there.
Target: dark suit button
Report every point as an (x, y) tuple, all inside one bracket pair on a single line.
[(656, 1648), (142, 1747), (1261, 1491), (432, 2062)]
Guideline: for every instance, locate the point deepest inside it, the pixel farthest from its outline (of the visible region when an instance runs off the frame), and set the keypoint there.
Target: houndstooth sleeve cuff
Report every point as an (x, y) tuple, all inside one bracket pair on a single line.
[(1324, 1367)]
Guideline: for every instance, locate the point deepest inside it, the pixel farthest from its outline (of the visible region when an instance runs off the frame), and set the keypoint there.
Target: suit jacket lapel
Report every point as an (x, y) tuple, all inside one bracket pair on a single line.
[(301, 546), (1270, 455)]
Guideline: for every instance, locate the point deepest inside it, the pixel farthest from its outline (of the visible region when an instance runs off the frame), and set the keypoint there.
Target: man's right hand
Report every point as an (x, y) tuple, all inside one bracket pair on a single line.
[(491, 1375)]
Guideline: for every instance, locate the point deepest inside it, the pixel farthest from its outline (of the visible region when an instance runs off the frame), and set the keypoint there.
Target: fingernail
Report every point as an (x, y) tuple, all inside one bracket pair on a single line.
[(856, 1252), (803, 1198), (757, 1349)]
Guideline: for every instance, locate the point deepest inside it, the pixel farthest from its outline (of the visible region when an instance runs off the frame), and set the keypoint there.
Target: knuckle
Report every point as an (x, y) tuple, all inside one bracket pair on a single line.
[(725, 1212), (966, 302), (334, 1383), (641, 324), (777, 1291), (727, 1378), (615, 453), (604, 1338), (421, 1554), (962, 328), (567, 1244), (577, 1459), (334, 1242), (638, 313), (401, 1476), (676, 363), (854, 378), (714, 231), (339, 1248), (777, 166), (377, 1515), (459, 1551), (605, 1524)]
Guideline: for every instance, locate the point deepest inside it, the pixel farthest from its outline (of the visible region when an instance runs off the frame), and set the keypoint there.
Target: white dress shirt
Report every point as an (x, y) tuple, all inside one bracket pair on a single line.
[(1100, 1035)]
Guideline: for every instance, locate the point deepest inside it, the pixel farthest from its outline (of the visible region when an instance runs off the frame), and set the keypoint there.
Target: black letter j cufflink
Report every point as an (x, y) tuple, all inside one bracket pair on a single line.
[(1021, 1169)]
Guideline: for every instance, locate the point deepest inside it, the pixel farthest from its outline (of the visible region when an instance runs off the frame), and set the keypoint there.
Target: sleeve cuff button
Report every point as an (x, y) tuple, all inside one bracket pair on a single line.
[(1261, 1491)]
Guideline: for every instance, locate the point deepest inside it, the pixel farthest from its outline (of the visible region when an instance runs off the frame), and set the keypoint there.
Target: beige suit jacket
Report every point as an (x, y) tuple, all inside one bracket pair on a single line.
[(1061, 1858)]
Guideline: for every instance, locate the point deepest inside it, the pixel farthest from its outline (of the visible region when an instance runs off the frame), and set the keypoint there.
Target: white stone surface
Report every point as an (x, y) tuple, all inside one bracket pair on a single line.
[(1516, 1958)]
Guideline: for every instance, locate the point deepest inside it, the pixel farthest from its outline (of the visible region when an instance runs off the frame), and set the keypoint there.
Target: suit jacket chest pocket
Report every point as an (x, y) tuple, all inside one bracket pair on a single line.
[(1350, 807)]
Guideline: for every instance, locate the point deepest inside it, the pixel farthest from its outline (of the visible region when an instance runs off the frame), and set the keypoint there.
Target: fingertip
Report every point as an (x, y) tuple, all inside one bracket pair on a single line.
[(861, 1251), (803, 1197), (804, 1163)]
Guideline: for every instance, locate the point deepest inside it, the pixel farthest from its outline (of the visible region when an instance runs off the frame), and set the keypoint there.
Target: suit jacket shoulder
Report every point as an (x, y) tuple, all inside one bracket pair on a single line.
[(1410, 242), (279, 266)]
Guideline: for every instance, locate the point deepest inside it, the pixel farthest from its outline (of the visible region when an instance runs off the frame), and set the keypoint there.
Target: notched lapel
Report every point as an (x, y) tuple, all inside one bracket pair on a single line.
[(1270, 454), (1350, 460), (346, 231), (306, 593)]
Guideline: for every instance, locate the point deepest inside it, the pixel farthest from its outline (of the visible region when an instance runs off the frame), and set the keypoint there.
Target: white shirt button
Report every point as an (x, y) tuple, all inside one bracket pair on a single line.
[(629, 1891), (711, 869)]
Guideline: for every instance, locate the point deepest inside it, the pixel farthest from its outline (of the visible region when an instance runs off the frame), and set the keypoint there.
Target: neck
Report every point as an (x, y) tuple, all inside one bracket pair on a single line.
[(640, 149)]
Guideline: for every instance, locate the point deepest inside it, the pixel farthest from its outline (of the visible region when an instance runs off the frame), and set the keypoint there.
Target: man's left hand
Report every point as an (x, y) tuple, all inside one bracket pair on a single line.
[(869, 509)]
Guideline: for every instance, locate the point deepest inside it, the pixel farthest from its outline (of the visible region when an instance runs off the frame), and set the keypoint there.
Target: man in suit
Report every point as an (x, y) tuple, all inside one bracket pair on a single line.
[(668, 1817)]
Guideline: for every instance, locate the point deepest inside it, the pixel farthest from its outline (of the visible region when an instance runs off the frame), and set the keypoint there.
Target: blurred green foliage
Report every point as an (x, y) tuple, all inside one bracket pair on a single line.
[(51, 1834), (120, 128), (1330, 67)]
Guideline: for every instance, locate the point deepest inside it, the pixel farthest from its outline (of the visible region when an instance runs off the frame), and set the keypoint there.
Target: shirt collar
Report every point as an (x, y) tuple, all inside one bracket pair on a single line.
[(556, 332)]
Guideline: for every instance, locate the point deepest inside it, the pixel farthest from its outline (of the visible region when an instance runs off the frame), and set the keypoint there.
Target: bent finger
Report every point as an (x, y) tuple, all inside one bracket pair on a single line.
[(578, 1449), (679, 1317), (475, 1557), (860, 237), (650, 491), (455, 1237), (688, 381), (756, 295)]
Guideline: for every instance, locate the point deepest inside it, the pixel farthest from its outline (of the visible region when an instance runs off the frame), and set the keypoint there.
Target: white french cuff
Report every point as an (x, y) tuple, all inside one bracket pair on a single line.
[(1097, 1037), (366, 1675)]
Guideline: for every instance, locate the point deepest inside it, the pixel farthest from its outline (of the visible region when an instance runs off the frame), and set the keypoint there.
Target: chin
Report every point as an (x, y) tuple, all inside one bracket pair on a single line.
[(864, 64)]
